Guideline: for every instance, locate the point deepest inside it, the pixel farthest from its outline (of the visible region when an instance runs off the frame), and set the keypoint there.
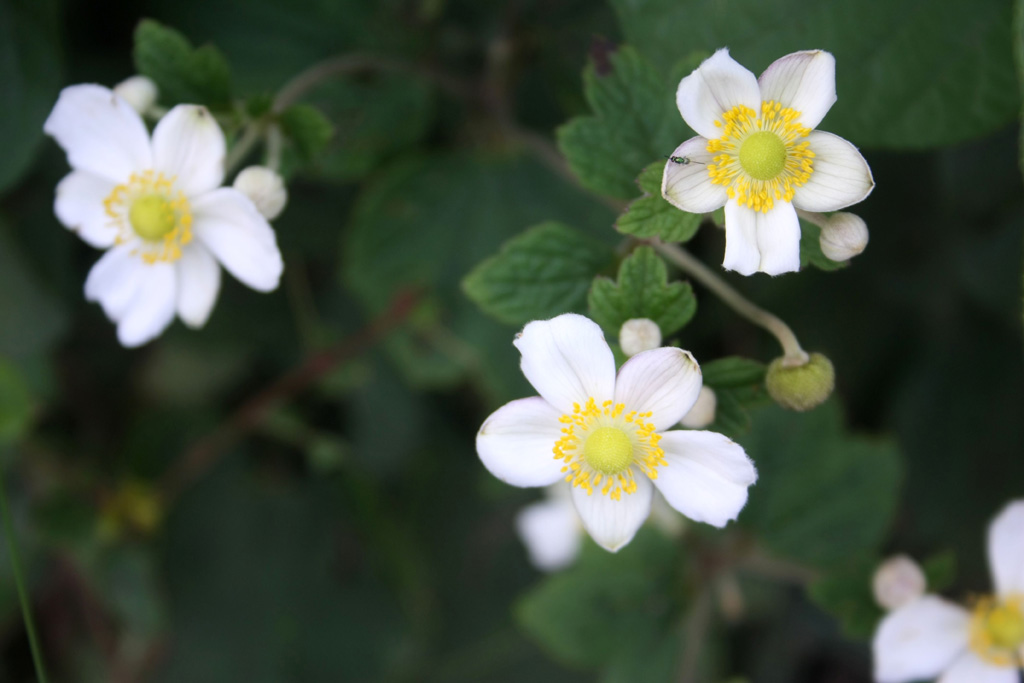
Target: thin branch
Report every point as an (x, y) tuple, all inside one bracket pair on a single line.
[(695, 632), (343, 65), (689, 264), (205, 452)]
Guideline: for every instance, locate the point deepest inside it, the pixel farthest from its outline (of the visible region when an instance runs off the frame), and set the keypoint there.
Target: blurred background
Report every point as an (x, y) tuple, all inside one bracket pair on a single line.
[(185, 516)]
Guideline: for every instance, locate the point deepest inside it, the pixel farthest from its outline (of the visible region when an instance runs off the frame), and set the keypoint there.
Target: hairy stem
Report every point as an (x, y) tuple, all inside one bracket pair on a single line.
[(240, 150), (19, 581), (689, 264)]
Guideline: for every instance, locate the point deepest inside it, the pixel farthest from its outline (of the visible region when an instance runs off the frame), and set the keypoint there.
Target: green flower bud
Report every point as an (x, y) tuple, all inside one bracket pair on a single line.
[(801, 387)]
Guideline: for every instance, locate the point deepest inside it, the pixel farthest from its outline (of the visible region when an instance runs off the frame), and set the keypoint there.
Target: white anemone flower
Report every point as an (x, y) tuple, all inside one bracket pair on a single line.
[(930, 637), (604, 434), (158, 208), (757, 153)]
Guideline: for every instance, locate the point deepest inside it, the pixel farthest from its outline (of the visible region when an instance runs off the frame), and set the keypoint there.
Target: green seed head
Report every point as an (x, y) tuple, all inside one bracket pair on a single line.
[(763, 155), (801, 387), (151, 217)]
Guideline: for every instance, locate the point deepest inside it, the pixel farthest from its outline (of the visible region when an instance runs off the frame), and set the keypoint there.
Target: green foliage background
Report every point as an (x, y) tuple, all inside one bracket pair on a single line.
[(352, 533)]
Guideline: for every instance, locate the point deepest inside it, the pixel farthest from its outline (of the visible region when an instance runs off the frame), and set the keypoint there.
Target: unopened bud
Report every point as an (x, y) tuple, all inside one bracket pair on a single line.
[(898, 581), (801, 387), (703, 411), (843, 236), (265, 188), (639, 334), (139, 92)]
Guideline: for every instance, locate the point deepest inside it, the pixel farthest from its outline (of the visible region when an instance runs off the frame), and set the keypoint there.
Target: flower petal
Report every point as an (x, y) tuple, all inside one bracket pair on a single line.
[(804, 81), (79, 206), (100, 132), (778, 239), (567, 360), (741, 251), (663, 381), (227, 222), (114, 279), (688, 186), (198, 284), (516, 443), (919, 640), (1006, 549), (189, 145), (613, 523), (970, 668), (707, 476), (716, 86), (841, 176), (151, 309), (551, 532)]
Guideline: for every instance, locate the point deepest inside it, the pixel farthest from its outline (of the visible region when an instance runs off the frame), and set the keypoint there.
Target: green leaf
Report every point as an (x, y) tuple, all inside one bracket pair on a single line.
[(940, 571), (822, 495), (589, 616), (847, 595), (182, 73), (634, 120), (652, 216), (909, 74), (307, 128), (15, 402), (31, 317), (642, 291), (810, 249), (30, 78), (545, 271), (738, 384), (424, 223)]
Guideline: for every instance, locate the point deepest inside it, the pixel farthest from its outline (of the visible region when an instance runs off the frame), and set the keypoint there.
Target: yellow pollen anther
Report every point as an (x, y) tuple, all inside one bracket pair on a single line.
[(760, 159), (763, 155), (602, 446), (151, 217), (148, 212), (608, 450), (997, 630)]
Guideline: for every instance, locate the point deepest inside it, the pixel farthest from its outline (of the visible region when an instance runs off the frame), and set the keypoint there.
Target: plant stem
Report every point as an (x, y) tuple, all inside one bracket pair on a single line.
[(792, 351), (343, 65), (252, 134), (19, 580)]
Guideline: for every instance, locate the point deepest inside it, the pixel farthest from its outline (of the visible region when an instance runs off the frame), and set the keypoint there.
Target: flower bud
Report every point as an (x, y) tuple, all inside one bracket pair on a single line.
[(639, 334), (138, 91), (703, 411), (265, 188), (843, 236), (898, 581), (801, 387)]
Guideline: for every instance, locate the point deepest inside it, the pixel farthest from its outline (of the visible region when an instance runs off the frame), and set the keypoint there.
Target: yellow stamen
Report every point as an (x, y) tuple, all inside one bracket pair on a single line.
[(761, 159), (148, 207), (997, 630)]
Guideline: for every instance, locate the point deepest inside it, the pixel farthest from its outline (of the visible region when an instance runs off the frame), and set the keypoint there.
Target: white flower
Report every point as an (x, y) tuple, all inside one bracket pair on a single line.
[(158, 209), (552, 531), (265, 187), (757, 154), (603, 435), (929, 636)]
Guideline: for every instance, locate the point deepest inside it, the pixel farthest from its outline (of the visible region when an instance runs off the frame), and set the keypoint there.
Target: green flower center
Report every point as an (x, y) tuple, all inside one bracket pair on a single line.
[(763, 155), (152, 217), (608, 450)]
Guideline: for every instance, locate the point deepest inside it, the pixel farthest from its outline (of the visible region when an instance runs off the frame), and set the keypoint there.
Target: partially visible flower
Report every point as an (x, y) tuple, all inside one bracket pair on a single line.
[(843, 236), (552, 531), (703, 411), (757, 153), (157, 207), (639, 334), (603, 434), (897, 582), (929, 636), (265, 187), (138, 91)]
